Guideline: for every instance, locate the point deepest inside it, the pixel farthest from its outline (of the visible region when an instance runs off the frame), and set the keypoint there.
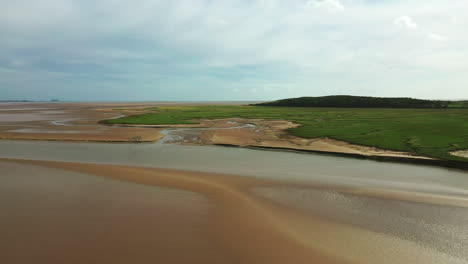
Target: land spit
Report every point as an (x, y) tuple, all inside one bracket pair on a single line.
[(81, 122)]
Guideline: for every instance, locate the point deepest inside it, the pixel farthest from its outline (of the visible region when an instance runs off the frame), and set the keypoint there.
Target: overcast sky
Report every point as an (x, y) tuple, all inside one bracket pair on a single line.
[(232, 50)]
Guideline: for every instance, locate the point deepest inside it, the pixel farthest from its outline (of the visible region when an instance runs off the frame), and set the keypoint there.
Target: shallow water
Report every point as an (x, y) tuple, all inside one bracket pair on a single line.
[(310, 168), (88, 218), (24, 117), (438, 227), (51, 216), (22, 109), (50, 131), (179, 135)]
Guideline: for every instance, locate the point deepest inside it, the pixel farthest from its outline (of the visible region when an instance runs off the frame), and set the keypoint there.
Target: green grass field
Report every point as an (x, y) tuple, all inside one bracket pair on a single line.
[(429, 132)]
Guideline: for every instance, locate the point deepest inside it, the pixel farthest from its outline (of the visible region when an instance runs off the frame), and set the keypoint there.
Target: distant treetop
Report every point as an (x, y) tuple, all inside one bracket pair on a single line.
[(364, 102)]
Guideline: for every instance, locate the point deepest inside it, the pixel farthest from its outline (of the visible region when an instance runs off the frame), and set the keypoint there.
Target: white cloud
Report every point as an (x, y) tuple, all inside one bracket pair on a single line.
[(406, 21), (18, 63), (218, 22), (332, 6), (436, 37), (239, 44)]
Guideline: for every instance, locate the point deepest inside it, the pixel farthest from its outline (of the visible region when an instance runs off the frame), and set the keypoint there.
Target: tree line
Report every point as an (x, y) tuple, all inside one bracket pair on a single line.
[(364, 102)]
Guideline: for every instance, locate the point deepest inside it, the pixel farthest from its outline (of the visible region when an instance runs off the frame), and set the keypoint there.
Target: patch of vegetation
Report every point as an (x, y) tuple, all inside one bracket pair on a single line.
[(364, 102), (428, 132)]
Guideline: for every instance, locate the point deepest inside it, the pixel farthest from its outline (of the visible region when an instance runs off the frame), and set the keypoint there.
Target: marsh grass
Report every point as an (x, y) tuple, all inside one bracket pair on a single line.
[(429, 132)]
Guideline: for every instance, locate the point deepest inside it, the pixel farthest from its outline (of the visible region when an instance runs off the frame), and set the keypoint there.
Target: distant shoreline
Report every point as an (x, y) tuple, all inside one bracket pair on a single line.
[(82, 122)]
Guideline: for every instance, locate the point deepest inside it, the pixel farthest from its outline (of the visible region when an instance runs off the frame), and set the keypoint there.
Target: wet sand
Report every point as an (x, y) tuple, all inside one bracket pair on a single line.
[(460, 153), (65, 212), (72, 122), (80, 122), (262, 134), (271, 134)]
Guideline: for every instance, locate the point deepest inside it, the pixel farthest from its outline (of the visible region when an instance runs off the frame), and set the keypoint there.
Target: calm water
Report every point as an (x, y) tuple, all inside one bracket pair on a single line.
[(51, 216), (272, 164), (90, 218)]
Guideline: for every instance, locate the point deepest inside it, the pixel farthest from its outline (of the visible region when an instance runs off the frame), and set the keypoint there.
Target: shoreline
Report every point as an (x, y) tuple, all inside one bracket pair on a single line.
[(409, 160), (399, 157), (75, 122), (262, 133), (393, 159)]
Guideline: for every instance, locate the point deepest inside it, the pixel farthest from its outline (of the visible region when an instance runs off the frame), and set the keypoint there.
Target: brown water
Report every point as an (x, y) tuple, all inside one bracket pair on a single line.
[(53, 216), (357, 210)]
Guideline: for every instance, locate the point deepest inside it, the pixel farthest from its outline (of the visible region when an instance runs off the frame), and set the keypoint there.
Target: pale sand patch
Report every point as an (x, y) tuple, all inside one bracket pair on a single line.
[(460, 153), (337, 146)]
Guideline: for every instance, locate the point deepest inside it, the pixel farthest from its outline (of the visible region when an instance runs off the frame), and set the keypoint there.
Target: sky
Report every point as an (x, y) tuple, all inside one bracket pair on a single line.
[(211, 50)]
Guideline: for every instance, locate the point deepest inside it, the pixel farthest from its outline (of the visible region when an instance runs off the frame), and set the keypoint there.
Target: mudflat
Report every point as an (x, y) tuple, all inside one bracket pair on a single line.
[(69, 122), (56, 212), (81, 122)]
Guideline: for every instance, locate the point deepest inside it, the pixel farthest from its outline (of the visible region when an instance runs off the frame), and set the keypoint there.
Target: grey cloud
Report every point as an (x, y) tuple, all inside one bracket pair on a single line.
[(303, 47)]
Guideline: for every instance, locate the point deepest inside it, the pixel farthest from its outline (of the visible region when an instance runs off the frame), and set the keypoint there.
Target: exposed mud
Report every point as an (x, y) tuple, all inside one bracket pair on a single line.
[(80, 122), (265, 133)]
